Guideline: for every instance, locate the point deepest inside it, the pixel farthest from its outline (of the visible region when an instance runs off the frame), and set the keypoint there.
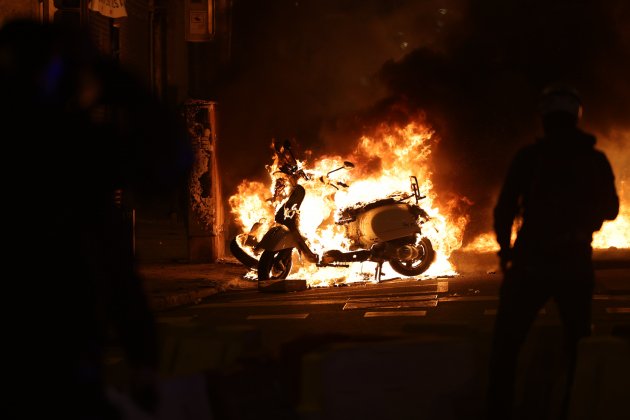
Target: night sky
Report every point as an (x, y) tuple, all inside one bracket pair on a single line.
[(324, 71)]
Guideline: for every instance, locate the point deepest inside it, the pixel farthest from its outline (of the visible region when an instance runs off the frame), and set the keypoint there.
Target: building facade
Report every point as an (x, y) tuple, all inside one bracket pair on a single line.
[(177, 48)]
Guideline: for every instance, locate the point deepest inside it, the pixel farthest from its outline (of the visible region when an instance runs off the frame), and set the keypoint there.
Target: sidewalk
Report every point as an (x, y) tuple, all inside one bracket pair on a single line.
[(171, 284)]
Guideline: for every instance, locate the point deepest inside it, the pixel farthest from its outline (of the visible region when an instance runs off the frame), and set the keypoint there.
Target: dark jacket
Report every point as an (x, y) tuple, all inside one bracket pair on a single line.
[(564, 189)]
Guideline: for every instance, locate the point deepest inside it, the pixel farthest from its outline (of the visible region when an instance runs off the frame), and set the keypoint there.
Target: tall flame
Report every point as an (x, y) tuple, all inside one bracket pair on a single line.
[(616, 233), (384, 163), (613, 234)]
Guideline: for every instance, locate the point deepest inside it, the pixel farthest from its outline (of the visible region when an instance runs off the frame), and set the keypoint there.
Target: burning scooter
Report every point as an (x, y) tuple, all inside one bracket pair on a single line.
[(383, 230)]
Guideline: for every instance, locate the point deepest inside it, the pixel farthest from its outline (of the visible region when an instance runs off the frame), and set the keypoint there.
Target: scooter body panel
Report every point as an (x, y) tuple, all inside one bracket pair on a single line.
[(277, 238), (382, 224)]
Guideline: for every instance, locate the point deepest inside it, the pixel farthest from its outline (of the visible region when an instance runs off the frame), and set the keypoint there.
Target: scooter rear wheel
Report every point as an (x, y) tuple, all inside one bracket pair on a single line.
[(418, 265), (275, 265)]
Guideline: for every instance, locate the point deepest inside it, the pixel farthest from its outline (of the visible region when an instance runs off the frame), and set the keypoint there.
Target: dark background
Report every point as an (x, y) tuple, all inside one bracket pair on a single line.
[(325, 71)]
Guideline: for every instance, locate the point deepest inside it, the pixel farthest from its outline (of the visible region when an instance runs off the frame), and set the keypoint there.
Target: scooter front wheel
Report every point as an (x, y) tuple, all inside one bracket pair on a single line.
[(240, 254), (425, 255), (275, 265)]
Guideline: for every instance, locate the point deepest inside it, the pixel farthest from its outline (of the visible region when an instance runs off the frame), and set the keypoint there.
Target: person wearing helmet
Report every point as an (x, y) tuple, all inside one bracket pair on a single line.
[(562, 189)]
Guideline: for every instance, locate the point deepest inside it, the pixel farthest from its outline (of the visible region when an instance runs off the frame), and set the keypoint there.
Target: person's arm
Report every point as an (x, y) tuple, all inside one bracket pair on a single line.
[(508, 207), (607, 202)]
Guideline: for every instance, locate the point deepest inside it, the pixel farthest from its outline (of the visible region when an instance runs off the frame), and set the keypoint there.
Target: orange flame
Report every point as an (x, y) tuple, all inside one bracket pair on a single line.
[(616, 233), (613, 234), (383, 164)]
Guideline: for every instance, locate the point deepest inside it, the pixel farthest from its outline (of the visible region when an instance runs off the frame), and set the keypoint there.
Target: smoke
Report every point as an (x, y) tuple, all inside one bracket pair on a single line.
[(323, 71), (481, 91), (308, 70)]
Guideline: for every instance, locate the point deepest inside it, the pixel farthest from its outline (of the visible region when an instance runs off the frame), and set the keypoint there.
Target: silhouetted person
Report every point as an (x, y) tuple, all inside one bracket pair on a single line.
[(563, 189), (82, 129)]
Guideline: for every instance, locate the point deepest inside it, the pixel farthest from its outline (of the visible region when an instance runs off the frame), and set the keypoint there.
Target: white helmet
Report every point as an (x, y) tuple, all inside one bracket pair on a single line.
[(561, 98)]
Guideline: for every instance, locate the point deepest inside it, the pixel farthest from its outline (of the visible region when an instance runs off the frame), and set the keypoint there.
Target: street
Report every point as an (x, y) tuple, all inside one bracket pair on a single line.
[(389, 350), (217, 158)]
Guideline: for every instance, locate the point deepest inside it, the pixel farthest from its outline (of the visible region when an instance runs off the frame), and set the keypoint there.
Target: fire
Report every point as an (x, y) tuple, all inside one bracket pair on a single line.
[(486, 242), (613, 234), (616, 233), (384, 163)]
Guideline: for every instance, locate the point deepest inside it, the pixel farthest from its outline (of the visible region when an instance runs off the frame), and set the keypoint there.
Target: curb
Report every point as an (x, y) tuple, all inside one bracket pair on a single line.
[(172, 301)]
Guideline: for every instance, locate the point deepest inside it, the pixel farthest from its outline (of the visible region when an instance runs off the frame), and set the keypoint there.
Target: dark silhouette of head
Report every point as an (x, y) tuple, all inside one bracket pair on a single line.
[(560, 108)]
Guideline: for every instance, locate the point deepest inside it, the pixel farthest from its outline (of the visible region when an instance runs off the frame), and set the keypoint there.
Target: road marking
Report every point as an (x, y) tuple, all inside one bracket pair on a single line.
[(467, 298), (393, 313), (442, 286), (611, 297), (391, 304), (315, 300), (393, 298), (342, 293), (618, 310), (271, 303), (543, 311), (278, 316)]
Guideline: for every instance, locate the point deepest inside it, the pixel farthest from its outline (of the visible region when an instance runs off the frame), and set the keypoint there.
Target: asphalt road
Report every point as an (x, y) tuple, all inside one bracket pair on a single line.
[(390, 350), (386, 308)]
